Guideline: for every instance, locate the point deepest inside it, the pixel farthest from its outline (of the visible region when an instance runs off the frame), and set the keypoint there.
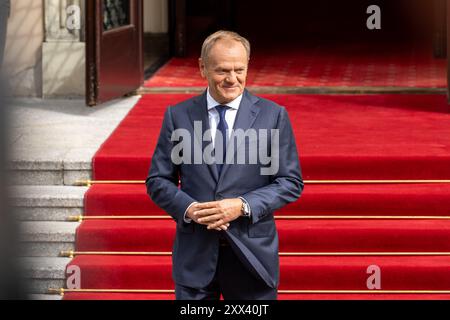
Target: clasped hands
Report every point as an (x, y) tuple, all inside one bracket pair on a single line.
[(216, 215)]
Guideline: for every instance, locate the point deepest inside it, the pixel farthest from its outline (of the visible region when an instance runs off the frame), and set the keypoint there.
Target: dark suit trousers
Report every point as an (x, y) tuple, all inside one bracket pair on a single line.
[(232, 279)]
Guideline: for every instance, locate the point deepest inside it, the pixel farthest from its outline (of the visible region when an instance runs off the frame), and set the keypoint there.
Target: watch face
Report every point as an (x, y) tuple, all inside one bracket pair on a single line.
[(246, 211)]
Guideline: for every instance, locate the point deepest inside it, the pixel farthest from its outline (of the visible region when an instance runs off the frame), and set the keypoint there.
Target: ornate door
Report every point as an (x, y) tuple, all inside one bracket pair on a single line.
[(114, 54)]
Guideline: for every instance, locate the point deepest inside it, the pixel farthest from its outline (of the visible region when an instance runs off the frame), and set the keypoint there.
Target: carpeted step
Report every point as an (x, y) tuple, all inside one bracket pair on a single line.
[(338, 136), (294, 235), (330, 199), (147, 296), (333, 199), (296, 273)]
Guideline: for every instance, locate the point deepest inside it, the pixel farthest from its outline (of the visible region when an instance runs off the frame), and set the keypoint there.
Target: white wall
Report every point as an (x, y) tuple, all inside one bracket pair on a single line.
[(156, 16), (25, 34)]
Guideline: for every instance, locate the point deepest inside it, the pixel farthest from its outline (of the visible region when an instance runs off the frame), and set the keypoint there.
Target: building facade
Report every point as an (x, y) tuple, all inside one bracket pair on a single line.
[(105, 48), (45, 52)]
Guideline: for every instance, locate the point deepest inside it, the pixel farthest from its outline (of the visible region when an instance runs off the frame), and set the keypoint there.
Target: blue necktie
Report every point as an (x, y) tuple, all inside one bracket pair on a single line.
[(222, 127)]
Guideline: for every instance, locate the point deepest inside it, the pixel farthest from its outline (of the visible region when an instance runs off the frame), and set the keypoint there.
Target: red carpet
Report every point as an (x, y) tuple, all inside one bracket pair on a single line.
[(339, 137), (144, 296), (356, 65), (295, 236), (296, 273), (330, 199)]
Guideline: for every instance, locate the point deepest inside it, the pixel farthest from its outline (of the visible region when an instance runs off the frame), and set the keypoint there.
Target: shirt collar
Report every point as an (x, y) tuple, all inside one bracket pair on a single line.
[(212, 103)]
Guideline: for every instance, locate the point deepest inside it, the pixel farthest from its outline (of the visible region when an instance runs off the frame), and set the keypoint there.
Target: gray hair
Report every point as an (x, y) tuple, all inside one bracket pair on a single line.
[(219, 35)]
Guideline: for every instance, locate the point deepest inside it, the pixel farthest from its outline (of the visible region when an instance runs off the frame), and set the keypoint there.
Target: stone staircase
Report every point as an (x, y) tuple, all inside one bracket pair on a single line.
[(44, 198), (45, 231), (52, 144)]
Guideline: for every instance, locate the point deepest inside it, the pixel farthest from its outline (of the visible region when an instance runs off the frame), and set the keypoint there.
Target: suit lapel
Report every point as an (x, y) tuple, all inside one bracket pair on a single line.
[(198, 111), (245, 118)]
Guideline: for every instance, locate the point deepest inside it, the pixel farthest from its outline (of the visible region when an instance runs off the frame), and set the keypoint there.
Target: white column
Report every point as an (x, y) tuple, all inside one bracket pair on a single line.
[(63, 52)]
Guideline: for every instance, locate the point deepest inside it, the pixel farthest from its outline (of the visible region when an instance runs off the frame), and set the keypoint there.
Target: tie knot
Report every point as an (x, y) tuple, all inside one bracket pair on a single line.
[(222, 110)]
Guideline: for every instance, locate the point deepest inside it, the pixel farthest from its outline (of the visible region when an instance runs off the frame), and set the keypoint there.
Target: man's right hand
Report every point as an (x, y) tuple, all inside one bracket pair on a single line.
[(190, 215)]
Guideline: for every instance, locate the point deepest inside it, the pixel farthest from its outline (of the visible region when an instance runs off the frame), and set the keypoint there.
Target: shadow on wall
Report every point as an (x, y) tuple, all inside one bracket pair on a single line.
[(23, 52), (63, 69), (63, 52)]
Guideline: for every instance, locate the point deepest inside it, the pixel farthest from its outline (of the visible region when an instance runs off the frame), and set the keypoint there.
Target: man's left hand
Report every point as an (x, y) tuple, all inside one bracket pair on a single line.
[(218, 213)]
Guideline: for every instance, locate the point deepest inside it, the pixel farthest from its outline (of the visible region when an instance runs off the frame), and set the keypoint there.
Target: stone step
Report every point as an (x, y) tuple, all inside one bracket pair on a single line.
[(49, 172), (53, 141), (47, 203), (43, 273), (45, 297), (46, 239)]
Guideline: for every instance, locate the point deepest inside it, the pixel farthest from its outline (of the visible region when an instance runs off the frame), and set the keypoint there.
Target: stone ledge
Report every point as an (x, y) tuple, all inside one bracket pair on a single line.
[(42, 286), (48, 231), (47, 213), (35, 165), (44, 249), (42, 297), (52, 268), (48, 196)]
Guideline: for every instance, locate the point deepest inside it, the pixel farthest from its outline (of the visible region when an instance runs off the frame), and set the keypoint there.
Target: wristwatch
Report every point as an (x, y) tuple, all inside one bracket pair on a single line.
[(245, 208)]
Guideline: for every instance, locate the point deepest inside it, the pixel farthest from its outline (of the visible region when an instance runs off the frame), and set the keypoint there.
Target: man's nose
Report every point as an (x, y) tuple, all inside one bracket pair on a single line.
[(232, 77)]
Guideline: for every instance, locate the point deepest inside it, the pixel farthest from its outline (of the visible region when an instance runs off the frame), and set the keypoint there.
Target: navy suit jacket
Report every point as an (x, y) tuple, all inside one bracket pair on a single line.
[(174, 187)]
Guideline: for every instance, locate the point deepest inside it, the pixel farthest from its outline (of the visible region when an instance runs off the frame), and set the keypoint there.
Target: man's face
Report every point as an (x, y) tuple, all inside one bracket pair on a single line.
[(225, 70)]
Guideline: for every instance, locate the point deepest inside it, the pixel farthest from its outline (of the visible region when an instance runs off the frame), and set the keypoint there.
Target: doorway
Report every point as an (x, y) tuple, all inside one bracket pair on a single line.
[(157, 46), (317, 44), (161, 31)]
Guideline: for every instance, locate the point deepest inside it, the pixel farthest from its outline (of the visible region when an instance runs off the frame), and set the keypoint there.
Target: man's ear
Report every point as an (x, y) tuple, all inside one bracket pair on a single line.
[(202, 67)]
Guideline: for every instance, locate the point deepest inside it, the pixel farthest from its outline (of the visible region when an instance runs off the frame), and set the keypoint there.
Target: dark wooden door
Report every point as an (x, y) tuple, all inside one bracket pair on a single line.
[(178, 27), (114, 53)]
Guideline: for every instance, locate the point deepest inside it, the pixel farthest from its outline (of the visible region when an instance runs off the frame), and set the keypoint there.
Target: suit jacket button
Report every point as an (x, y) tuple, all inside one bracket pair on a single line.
[(219, 197)]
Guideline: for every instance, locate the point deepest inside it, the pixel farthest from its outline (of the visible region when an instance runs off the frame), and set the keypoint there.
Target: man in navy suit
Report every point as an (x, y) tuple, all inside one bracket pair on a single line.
[(226, 239)]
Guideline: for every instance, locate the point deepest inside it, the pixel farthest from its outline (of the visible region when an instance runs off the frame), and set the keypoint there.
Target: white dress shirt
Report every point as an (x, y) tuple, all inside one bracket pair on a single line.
[(214, 118), (213, 114)]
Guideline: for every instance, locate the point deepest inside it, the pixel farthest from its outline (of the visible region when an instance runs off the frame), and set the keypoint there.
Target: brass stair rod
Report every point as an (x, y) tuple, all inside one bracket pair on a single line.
[(413, 181)]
